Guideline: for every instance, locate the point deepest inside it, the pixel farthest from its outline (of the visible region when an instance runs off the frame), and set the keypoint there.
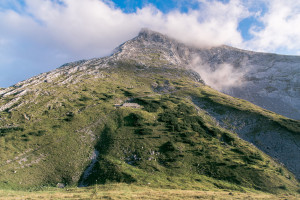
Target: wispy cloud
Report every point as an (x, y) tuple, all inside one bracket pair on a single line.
[(222, 77)]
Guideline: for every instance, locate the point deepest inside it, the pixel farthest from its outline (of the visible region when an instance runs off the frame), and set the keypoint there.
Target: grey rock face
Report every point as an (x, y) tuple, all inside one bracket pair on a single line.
[(279, 143), (270, 81)]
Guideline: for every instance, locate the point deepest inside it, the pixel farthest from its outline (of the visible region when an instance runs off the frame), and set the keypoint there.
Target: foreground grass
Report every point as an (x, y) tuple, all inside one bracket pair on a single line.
[(124, 191)]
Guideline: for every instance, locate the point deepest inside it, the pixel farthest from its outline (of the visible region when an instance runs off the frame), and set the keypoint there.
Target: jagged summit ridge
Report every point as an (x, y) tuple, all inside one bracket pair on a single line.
[(152, 48)]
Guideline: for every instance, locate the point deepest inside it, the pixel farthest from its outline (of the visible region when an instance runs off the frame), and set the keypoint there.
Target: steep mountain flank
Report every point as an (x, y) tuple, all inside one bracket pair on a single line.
[(141, 116), (267, 80)]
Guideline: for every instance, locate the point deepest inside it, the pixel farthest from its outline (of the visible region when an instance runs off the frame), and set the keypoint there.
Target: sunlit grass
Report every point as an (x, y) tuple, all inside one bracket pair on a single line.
[(124, 191)]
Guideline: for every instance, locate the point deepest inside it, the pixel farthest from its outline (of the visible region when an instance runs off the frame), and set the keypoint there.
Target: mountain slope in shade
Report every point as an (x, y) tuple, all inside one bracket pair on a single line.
[(141, 116)]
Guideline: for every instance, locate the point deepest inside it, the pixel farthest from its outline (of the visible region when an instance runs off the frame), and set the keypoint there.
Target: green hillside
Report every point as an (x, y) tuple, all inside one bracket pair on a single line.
[(159, 138)]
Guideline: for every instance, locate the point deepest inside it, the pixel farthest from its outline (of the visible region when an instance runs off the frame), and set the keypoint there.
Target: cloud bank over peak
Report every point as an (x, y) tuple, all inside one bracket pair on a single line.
[(39, 35)]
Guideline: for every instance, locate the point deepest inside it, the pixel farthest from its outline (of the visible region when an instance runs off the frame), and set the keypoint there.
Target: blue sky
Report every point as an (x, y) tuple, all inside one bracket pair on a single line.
[(40, 35), (131, 6)]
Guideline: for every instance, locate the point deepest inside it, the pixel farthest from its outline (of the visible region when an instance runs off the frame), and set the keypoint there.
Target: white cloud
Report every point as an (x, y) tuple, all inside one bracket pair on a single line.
[(281, 32), (215, 24), (93, 28), (221, 77)]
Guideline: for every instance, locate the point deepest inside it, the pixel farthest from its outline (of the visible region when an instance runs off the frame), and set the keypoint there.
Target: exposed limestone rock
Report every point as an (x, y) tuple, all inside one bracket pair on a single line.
[(131, 105)]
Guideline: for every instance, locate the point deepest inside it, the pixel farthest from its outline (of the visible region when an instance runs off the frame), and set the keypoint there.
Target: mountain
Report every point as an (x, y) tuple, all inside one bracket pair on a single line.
[(145, 116), (268, 80)]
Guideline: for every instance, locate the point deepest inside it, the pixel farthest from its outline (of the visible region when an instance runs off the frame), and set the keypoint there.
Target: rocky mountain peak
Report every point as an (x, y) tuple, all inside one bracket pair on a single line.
[(267, 80), (153, 36)]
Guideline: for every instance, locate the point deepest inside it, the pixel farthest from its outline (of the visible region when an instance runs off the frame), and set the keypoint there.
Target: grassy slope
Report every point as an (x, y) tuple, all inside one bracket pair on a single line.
[(124, 191), (167, 143)]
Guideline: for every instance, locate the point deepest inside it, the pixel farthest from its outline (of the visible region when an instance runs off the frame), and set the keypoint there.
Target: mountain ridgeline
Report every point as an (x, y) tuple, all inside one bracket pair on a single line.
[(145, 116)]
